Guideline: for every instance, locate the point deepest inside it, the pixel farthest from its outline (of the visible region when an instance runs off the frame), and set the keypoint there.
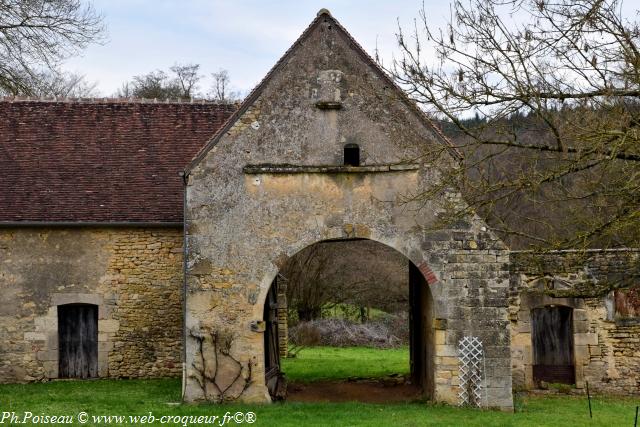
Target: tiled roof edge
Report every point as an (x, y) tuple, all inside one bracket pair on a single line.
[(100, 100)]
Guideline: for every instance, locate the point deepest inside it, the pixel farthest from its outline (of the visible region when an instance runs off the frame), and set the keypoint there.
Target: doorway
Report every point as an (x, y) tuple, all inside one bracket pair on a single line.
[(552, 341), (359, 321), (78, 341)]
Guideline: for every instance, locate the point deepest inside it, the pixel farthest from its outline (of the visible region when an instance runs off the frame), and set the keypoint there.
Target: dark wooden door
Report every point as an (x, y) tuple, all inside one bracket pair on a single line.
[(78, 341), (417, 344), (552, 339), (271, 348)]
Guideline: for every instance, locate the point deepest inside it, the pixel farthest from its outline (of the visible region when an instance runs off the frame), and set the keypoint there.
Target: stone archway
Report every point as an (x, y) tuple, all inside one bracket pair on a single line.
[(273, 181), (420, 321), (224, 319)]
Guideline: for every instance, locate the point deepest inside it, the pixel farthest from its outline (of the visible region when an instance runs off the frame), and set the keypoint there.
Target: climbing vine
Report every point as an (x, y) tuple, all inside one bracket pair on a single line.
[(216, 387)]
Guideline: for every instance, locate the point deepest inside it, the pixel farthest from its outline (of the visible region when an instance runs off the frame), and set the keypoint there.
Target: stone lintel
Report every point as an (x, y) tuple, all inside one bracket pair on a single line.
[(291, 169)]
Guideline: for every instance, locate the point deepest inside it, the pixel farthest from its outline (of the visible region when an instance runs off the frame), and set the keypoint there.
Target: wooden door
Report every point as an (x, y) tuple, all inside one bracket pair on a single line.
[(78, 341), (417, 338), (271, 348), (552, 340)]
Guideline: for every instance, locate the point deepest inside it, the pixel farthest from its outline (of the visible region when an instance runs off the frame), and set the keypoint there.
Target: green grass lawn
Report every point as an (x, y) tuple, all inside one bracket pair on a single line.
[(333, 363), (141, 397)]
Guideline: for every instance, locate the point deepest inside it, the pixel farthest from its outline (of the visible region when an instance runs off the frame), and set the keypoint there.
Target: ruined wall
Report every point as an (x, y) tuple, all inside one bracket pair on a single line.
[(273, 184), (134, 275), (606, 344)]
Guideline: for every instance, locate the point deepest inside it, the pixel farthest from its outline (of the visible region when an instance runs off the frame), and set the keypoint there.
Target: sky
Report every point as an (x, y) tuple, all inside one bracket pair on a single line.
[(245, 37)]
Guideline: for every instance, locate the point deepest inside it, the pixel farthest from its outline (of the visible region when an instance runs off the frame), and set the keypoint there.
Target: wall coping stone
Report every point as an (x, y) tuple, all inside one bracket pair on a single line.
[(291, 169)]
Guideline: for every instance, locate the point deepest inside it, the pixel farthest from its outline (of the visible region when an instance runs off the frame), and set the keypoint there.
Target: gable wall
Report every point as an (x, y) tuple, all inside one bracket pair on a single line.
[(241, 227)]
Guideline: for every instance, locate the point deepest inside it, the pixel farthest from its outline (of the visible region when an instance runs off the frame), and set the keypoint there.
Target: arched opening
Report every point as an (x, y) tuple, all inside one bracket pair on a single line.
[(351, 155), (77, 341), (358, 317), (552, 342)]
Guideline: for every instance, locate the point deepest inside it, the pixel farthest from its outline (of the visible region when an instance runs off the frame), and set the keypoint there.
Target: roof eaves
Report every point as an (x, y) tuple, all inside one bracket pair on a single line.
[(158, 224)]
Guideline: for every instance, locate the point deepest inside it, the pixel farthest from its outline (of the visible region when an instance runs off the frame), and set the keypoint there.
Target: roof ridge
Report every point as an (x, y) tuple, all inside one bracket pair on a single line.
[(112, 100)]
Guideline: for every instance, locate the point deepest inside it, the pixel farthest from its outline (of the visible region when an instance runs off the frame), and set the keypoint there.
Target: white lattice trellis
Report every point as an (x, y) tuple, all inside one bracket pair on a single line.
[(471, 356)]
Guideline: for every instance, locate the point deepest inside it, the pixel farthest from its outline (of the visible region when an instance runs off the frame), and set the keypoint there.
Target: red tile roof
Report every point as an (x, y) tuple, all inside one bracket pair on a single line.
[(99, 161)]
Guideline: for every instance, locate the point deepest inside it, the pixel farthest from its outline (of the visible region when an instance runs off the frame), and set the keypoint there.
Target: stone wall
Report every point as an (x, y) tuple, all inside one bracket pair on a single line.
[(273, 183), (606, 344), (133, 275)]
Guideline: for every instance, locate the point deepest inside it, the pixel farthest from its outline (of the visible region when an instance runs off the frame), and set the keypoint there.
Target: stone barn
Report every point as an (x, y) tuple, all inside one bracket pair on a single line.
[(327, 148), (133, 244), (91, 233)]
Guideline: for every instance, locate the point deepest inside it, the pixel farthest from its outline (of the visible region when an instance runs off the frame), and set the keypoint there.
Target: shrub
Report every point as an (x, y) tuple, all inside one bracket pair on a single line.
[(387, 332)]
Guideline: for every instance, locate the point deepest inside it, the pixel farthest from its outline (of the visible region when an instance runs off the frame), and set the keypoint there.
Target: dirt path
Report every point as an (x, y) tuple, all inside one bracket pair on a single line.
[(369, 391)]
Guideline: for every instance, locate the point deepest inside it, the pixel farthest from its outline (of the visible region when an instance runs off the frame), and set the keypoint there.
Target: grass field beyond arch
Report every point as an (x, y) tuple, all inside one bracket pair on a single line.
[(336, 363)]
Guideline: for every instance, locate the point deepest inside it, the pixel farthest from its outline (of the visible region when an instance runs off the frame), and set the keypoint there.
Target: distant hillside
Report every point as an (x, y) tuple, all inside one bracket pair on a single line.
[(557, 209)]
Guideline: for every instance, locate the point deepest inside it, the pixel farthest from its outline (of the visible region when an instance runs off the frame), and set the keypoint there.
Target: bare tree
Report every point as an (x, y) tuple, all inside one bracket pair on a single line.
[(155, 84), (181, 84), (220, 89), (187, 78), (553, 153), (37, 35), (362, 275), (62, 85), (305, 294)]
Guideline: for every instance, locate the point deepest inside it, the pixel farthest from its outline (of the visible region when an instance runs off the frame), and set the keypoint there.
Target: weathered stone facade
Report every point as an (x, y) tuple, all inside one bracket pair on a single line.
[(272, 183), (606, 344), (133, 275)]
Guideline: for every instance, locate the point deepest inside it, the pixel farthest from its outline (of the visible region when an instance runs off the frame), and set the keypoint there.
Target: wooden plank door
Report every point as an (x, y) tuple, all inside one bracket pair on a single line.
[(417, 342), (552, 340), (78, 341), (271, 347)]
